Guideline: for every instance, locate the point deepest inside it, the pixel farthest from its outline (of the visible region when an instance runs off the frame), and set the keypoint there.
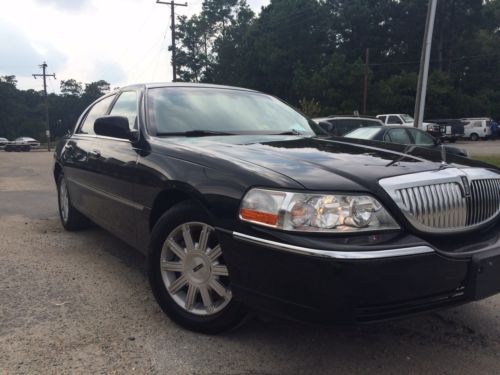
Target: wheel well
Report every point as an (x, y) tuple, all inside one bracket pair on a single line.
[(57, 171), (164, 201)]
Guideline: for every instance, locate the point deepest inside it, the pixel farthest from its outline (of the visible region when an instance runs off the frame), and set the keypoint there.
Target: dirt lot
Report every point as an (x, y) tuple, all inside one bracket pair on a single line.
[(80, 303)]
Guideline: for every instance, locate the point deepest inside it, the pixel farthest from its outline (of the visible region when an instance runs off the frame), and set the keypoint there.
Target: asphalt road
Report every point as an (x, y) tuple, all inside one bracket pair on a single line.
[(479, 148), (80, 302)]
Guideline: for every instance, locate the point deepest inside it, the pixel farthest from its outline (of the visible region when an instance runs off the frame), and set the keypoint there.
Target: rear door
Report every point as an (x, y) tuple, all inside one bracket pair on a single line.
[(78, 159), (114, 166)]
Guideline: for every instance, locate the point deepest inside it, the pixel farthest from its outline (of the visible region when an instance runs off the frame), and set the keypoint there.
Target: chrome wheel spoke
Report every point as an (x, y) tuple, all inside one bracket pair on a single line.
[(206, 298), (220, 270), (215, 253), (172, 266), (219, 288), (191, 267), (177, 284), (202, 242), (176, 249), (190, 297), (188, 239)]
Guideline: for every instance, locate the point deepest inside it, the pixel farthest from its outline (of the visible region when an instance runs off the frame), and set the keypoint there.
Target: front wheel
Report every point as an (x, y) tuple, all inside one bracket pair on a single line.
[(187, 272)]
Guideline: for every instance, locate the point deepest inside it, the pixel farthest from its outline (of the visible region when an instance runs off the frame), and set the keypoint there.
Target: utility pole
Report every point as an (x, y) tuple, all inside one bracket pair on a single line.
[(45, 75), (367, 72), (172, 15), (423, 74)]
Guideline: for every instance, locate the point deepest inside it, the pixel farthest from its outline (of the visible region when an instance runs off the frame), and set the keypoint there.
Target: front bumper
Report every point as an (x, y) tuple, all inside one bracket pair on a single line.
[(323, 285)]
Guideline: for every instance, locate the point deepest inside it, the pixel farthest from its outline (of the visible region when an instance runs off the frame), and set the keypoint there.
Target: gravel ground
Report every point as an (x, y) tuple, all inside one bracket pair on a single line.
[(80, 303)]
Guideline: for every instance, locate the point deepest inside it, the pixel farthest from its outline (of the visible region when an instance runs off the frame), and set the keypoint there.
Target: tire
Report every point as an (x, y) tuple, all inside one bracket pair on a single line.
[(474, 137), (191, 286), (452, 140), (71, 218), (26, 148)]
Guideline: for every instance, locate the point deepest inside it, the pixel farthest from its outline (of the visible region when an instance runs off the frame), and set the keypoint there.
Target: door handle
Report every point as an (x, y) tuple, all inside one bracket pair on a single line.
[(95, 153)]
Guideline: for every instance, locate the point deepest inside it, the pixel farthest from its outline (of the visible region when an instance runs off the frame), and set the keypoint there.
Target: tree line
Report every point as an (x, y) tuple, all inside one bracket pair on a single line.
[(22, 111), (312, 53)]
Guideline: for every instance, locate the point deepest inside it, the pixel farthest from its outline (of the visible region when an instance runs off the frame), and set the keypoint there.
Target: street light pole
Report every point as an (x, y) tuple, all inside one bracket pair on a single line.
[(423, 74)]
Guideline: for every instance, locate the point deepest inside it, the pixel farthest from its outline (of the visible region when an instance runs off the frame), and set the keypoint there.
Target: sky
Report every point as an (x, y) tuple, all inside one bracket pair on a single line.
[(120, 41)]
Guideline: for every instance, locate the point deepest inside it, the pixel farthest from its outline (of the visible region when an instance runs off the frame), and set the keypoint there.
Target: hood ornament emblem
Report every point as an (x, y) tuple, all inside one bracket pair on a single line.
[(444, 164)]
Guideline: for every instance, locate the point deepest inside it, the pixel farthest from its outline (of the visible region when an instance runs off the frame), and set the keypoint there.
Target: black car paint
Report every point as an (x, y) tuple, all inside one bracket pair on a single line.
[(124, 186)]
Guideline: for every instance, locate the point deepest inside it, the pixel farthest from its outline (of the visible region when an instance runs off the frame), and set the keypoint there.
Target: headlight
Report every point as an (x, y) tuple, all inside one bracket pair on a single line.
[(304, 212)]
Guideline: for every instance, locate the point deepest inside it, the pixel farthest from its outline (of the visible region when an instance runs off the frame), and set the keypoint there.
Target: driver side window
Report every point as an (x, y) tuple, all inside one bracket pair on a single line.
[(126, 105)]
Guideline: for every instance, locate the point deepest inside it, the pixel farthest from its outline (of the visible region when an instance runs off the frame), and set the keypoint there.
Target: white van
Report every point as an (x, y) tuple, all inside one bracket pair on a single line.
[(477, 128)]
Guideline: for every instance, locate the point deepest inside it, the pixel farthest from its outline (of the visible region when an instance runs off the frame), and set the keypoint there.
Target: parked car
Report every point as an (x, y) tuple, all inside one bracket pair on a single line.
[(239, 205), (3, 142), (31, 141), (22, 144), (340, 125), (404, 136), (402, 119), (477, 128), (446, 129)]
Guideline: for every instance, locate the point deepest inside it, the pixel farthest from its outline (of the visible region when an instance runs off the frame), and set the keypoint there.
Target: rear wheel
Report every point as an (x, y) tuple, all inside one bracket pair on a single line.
[(187, 272), (71, 218), (474, 137)]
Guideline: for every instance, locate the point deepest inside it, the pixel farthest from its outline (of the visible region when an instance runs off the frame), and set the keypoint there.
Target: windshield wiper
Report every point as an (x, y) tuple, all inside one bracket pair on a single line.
[(290, 132), (195, 133)]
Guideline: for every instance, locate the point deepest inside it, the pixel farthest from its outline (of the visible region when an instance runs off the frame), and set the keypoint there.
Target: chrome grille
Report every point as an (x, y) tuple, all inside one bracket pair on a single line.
[(438, 205), (447, 200), (484, 201)]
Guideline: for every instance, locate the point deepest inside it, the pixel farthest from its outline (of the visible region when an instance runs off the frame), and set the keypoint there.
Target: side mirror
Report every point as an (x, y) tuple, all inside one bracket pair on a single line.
[(112, 126), (438, 141), (327, 127)]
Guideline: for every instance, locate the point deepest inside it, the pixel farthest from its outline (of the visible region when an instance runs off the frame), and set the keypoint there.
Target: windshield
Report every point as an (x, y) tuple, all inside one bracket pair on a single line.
[(363, 133), (184, 109), (407, 118)]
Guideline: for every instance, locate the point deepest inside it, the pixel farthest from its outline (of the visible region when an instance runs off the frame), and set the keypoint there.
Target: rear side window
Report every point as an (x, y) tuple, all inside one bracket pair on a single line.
[(99, 109), (422, 138), (398, 136), (394, 120), (126, 105), (370, 123)]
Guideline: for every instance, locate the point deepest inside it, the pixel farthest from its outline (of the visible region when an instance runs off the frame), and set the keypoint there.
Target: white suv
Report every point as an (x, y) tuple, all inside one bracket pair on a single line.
[(477, 128)]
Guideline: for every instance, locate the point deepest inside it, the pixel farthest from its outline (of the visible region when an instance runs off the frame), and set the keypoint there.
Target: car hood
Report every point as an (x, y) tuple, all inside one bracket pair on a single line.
[(320, 163)]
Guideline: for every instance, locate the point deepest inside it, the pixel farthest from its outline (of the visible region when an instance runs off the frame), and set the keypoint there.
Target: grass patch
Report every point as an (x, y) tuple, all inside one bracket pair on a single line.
[(492, 159)]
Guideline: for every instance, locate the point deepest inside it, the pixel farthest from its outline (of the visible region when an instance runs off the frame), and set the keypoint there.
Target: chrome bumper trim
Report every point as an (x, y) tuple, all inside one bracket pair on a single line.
[(375, 254)]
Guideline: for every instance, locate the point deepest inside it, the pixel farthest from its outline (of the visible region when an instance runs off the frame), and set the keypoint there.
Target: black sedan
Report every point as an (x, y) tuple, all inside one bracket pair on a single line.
[(404, 136), (239, 205)]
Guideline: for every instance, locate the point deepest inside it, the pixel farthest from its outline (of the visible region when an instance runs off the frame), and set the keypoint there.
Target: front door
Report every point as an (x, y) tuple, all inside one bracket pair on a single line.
[(114, 165)]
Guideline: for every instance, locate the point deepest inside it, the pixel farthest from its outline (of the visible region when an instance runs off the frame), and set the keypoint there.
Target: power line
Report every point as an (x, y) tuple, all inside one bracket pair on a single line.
[(172, 15), (45, 75)]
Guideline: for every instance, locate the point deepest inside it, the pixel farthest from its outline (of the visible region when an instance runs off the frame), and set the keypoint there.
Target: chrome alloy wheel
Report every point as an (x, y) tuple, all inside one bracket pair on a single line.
[(64, 200), (193, 270)]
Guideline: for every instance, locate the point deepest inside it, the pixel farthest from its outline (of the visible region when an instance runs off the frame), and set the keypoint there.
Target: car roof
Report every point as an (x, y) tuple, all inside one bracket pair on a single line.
[(182, 84), (346, 118), (400, 127)]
